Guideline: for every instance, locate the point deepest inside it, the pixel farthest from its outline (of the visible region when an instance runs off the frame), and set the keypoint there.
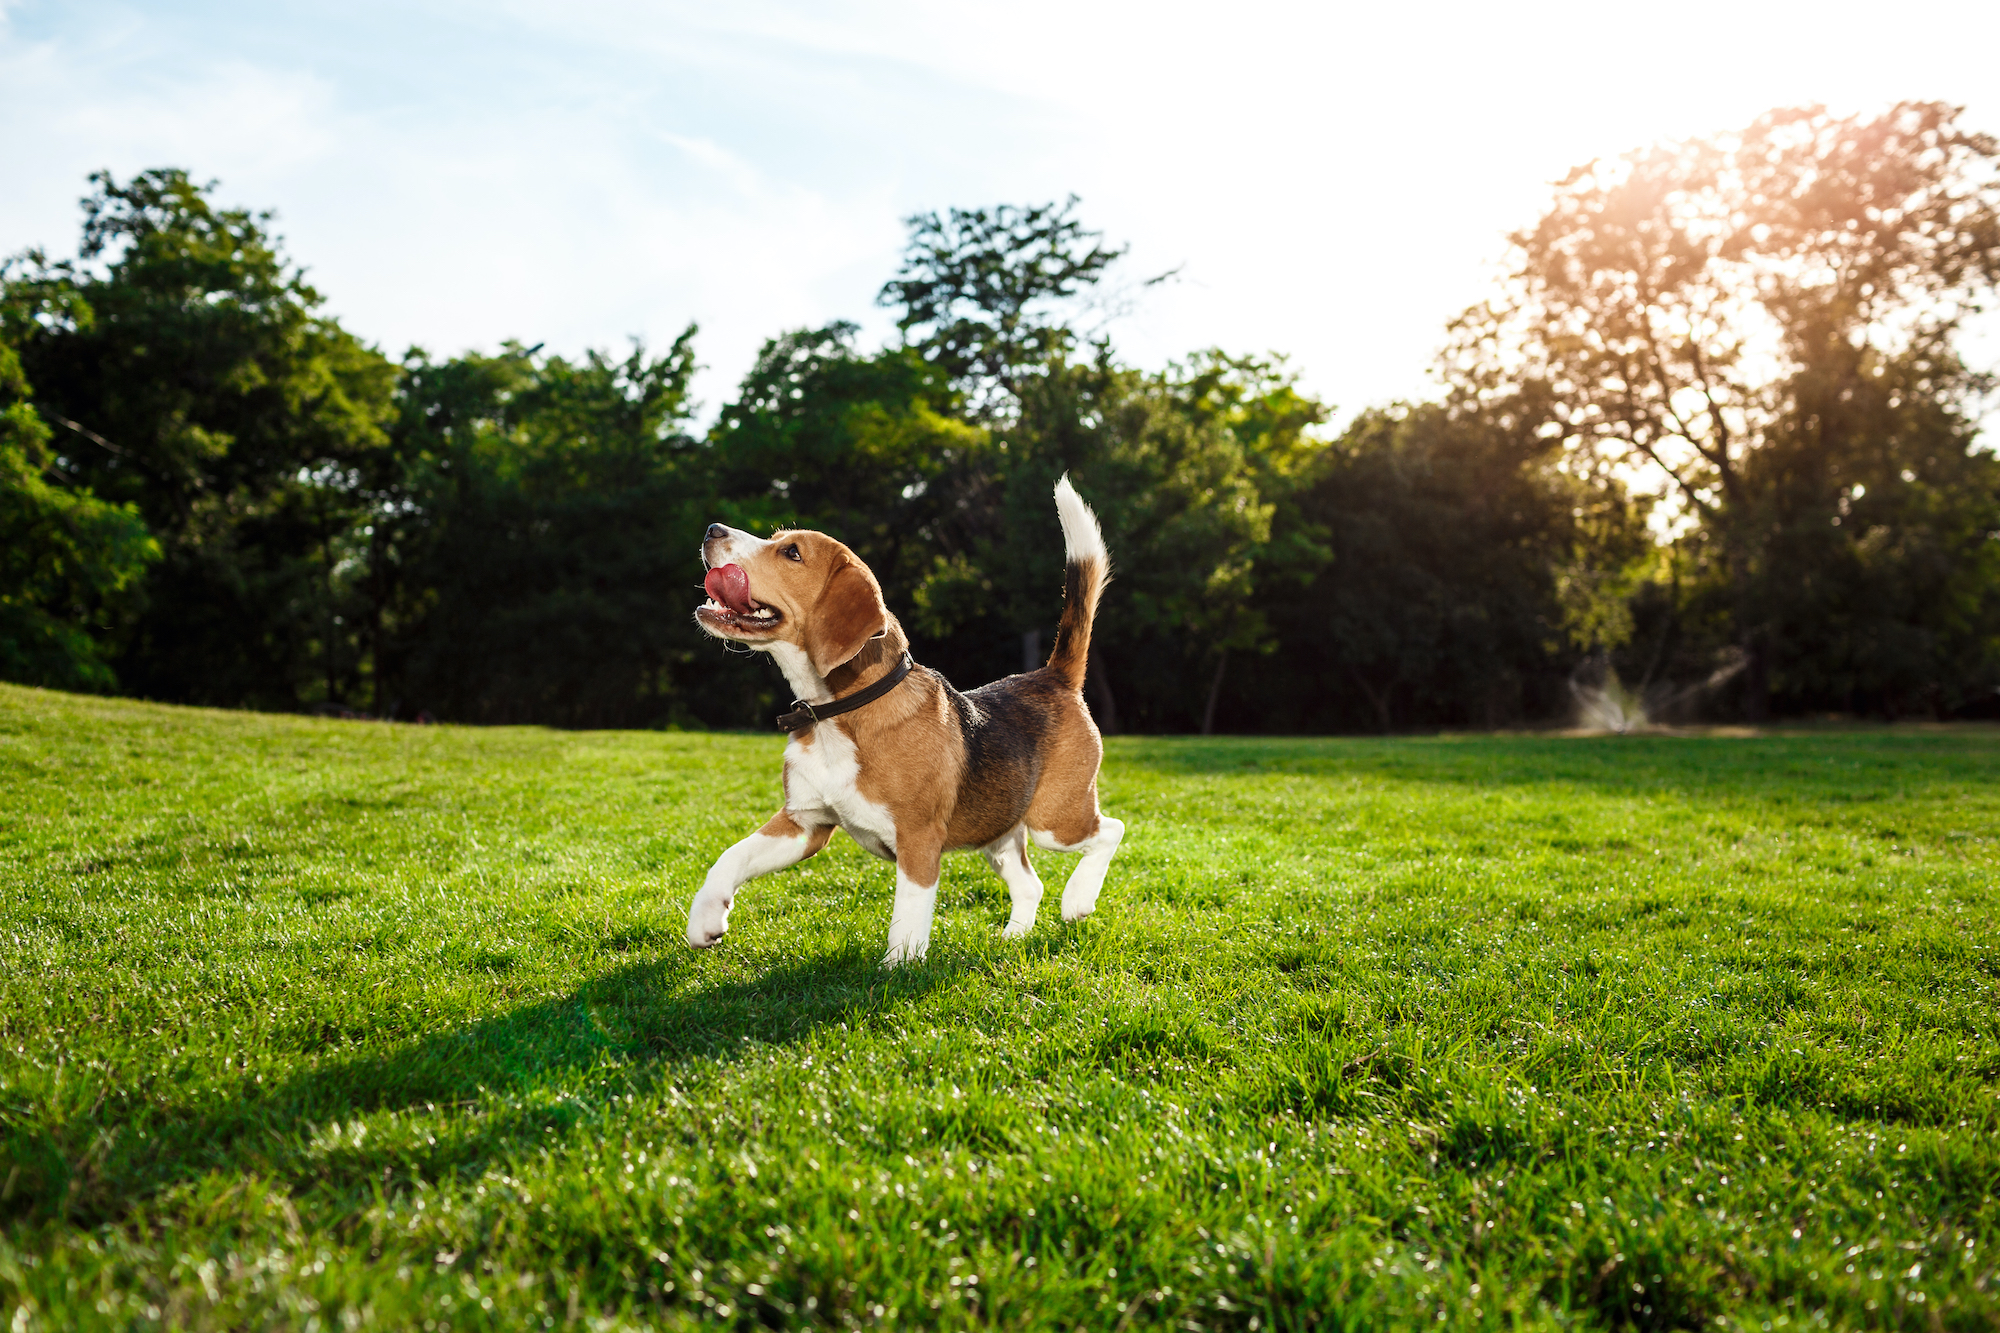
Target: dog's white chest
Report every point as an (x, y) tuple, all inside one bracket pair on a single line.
[(823, 777)]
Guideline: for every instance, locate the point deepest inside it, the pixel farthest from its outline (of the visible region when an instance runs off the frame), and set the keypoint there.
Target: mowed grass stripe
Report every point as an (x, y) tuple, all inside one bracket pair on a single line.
[(393, 1027)]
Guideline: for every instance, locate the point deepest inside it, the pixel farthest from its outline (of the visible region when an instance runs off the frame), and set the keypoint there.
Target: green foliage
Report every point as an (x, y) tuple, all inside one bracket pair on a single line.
[(534, 553), (210, 396), (1433, 575), (955, 518), (1768, 321), (375, 1025), (1165, 460), (1878, 585), (872, 447), (982, 291), (67, 559)]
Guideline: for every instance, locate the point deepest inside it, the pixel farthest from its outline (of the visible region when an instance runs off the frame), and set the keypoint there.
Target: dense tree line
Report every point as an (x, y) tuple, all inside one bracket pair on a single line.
[(211, 492)]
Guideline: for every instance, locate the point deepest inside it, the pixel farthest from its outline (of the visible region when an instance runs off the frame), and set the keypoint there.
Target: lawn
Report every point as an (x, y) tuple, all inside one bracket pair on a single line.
[(316, 1024)]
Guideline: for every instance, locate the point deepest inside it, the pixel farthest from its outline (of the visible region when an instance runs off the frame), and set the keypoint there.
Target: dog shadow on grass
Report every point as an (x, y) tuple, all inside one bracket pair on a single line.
[(515, 1081)]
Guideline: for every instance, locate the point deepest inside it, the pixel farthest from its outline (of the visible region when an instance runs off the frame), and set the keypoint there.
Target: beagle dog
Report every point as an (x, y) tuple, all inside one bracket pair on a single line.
[(890, 752)]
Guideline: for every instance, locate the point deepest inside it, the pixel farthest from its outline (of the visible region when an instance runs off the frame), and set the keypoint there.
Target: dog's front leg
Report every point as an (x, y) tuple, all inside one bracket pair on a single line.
[(918, 859), (784, 841)]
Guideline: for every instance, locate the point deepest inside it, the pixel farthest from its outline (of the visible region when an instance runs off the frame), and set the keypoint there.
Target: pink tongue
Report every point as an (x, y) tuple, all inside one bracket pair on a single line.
[(729, 585)]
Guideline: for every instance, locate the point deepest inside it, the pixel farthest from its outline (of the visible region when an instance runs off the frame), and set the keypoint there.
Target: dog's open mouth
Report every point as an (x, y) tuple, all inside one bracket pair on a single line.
[(729, 604)]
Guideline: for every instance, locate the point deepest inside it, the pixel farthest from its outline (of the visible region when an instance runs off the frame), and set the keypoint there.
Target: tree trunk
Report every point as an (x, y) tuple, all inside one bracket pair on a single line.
[(1751, 635), (332, 609), (1103, 703), (376, 559), (1756, 677), (1214, 694), (1379, 698)]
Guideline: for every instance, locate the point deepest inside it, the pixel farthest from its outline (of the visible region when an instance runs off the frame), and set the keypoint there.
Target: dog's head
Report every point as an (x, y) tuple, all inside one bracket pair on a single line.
[(801, 588)]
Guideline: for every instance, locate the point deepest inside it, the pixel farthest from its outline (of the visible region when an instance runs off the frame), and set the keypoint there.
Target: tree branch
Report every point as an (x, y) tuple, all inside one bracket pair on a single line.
[(1687, 488), (1721, 461), (83, 430)]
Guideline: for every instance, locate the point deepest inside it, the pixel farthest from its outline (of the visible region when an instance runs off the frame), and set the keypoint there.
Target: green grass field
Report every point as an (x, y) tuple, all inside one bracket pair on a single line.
[(329, 1025)]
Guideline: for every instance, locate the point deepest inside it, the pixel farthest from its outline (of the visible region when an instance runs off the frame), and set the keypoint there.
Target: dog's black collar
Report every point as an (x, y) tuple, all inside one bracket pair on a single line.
[(803, 714)]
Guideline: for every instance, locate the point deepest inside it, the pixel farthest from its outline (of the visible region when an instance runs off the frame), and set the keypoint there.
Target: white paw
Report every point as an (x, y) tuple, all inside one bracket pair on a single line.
[(1014, 930), (708, 921), (1077, 911)]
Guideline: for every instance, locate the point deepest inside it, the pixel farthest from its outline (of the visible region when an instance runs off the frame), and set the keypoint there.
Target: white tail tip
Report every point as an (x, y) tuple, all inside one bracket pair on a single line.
[(1082, 539)]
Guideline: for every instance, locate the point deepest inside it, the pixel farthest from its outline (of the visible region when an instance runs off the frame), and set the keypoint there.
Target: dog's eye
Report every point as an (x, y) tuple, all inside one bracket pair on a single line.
[(792, 552)]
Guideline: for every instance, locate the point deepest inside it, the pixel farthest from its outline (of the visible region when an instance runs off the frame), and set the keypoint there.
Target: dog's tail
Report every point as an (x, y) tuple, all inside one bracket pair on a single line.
[(1086, 570)]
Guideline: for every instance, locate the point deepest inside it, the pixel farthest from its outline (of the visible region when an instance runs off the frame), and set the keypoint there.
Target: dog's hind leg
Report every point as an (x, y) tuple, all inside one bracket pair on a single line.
[(780, 843), (1008, 855), (1063, 816), (1098, 846)]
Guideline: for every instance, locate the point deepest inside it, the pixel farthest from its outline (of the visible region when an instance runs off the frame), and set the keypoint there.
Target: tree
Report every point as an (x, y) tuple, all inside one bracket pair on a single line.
[(1164, 460), (67, 559), (873, 446), (1768, 322), (1436, 554), (982, 292), (537, 548), (210, 395), (987, 298)]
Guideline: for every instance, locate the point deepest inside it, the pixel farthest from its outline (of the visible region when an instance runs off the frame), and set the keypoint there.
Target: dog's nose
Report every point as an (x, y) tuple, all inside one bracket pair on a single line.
[(717, 530)]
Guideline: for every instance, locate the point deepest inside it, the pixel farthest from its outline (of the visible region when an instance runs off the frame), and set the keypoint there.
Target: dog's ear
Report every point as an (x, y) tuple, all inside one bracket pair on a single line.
[(848, 614)]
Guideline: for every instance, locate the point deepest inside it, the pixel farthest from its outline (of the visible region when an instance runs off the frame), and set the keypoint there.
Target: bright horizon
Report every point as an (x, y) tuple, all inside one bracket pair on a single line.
[(1334, 185)]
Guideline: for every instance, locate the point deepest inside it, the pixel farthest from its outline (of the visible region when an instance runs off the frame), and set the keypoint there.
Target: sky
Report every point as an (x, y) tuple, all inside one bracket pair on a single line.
[(1331, 182)]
